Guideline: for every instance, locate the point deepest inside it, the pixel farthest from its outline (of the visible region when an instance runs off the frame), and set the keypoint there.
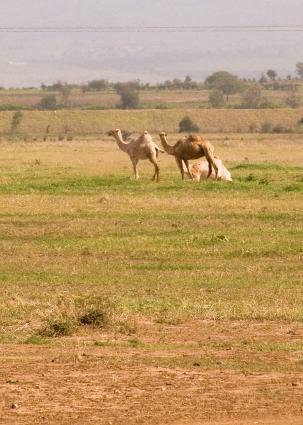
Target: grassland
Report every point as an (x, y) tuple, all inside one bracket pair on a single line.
[(195, 288), (39, 124)]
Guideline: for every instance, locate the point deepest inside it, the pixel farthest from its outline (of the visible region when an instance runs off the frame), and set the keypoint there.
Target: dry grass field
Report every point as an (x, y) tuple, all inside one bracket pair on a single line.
[(154, 98), (132, 302), (74, 123)]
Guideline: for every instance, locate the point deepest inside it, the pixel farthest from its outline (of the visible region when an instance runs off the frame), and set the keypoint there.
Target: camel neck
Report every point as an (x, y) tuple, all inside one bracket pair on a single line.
[(168, 148), (122, 145)]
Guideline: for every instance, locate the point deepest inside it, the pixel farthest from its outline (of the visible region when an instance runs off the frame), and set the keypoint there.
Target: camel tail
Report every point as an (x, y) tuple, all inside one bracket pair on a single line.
[(209, 155), (210, 169)]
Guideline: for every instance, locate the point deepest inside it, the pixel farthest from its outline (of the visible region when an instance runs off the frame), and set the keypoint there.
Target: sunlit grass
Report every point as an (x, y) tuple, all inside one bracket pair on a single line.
[(73, 227)]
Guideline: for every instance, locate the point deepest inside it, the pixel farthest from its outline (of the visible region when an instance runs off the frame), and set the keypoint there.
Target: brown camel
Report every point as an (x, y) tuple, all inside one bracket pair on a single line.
[(141, 148), (191, 147)]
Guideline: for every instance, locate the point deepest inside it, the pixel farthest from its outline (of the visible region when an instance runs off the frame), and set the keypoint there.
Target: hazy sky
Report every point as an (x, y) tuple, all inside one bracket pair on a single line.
[(28, 59)]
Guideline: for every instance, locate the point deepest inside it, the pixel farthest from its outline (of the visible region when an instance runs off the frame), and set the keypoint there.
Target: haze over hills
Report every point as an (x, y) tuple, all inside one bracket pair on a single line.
[(28, 59)]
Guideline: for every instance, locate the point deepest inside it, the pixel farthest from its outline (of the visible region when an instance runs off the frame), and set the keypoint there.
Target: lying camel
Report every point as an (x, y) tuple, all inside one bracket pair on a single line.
[(139, 149), (199, 171)]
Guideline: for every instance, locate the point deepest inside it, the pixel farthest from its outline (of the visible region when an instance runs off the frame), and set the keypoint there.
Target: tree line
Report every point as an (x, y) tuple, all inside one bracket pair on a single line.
[(221, 85)]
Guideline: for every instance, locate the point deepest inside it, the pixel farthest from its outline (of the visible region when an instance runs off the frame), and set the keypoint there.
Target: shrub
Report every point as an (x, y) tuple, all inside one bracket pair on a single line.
[(16, 120), (186, 124), (59, 327), (94, 317), (48, 103), (128, 94), (252, 98), (216, 98), (94, 311)]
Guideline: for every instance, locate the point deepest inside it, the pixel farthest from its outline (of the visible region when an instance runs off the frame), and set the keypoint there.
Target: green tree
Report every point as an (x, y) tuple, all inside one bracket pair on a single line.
[(226, 82), (128, 94), (188, 83), (272, 75), (98, 85), (216, 98)]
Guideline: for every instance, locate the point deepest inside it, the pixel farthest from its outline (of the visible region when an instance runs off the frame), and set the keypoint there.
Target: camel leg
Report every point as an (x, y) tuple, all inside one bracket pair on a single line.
[(188, 169), (135, 162), (211, 163), (180, 166), (153, 160)]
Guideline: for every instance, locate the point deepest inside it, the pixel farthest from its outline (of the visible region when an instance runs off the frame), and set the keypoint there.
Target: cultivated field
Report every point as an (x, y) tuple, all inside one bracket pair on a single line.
[(153, 98), (75, 123), (131, 302)]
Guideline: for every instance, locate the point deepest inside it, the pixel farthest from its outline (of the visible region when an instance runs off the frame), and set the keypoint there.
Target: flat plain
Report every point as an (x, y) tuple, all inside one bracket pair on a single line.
[(175, 303)]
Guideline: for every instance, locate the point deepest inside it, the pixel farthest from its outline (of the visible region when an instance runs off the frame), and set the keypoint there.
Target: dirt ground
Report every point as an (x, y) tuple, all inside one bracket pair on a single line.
[(188, 374)]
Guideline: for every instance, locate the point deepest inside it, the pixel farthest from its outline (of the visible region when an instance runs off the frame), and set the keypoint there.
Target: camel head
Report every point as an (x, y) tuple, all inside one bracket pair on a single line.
[(162, 134), (114, 132)]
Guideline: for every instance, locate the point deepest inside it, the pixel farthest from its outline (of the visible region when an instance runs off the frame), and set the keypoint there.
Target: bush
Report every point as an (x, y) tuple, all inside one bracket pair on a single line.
[(216, 98), (96, 312), (128, 94), (252, 98), (16, 120), (48, 103), (186, 125), (94, 317), (59, 327)]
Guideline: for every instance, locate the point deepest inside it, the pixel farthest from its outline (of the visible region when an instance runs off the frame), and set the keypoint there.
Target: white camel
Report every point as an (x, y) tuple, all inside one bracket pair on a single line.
[(199, 171)]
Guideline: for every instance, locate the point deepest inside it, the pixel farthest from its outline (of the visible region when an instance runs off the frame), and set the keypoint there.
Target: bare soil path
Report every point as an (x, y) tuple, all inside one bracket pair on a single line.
[(189, 374)]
